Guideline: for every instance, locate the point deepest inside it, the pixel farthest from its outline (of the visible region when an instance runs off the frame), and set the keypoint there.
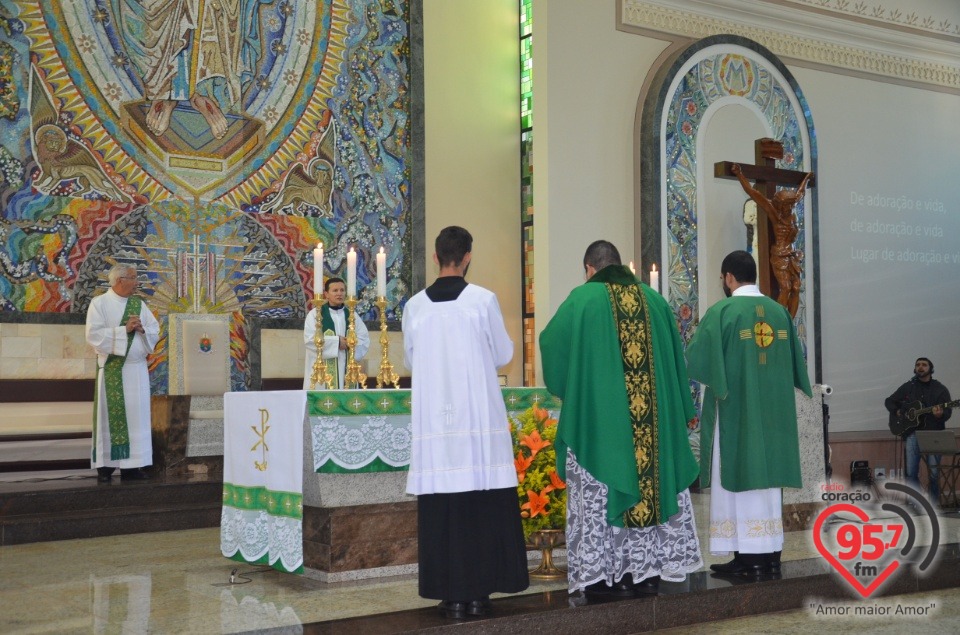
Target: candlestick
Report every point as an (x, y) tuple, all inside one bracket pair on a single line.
[(381, 274), (318, 270), (352, 375), (654, 278), (352, 273), (386, 376), (632, 268), (321, 372)]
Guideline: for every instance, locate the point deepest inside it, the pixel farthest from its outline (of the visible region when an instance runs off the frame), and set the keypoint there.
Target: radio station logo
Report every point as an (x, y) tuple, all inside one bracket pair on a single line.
[(867, 553)]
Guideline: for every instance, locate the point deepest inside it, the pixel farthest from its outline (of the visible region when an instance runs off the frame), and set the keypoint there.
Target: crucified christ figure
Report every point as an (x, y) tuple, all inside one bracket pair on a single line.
[(784, 259)]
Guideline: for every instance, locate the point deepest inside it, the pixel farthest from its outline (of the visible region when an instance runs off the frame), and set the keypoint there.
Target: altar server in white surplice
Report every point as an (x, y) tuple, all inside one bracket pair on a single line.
[(334, 322), (123, 332), (461, 467)]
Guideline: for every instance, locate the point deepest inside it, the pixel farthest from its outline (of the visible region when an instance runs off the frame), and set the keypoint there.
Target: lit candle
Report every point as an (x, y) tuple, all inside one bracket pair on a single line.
[(318, 270), (381, 274), (654, 278), (632, 268), (352, 273)]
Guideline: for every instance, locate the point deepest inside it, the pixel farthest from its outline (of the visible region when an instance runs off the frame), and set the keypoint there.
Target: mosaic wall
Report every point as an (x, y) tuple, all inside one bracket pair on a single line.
[(715, 77), (210, 144)]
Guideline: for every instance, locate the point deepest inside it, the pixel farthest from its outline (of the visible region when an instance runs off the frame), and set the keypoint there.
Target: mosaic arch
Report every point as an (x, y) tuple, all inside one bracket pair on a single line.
[(280, 122), (695, 81)]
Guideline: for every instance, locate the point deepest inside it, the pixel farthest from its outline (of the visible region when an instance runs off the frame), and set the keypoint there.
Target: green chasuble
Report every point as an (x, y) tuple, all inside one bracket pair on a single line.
[(596, 351), (746, 352)]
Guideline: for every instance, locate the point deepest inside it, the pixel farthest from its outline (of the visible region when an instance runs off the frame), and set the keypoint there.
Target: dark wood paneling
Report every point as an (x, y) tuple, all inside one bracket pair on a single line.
[(44, 466), (53, 436), (32, 390)]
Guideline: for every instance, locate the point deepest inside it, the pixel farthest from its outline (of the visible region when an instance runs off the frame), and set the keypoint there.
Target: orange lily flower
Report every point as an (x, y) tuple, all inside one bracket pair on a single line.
[(534, 442), (522, 464), (556, 482), (543, 416), (537, 503)]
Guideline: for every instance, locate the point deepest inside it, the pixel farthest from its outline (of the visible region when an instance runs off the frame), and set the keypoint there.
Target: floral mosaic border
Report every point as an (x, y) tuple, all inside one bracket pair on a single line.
[(734, 72)]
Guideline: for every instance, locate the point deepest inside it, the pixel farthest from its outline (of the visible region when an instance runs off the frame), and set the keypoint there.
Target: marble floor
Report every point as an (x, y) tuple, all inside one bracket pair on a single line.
[(945, 618), (177, 582)]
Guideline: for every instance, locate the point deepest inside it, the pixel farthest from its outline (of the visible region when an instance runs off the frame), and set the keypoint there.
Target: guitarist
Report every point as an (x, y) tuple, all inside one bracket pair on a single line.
[(930, 392)]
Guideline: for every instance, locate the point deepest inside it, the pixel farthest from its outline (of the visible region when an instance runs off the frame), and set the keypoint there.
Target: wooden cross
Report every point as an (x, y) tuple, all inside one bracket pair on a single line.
[(766, 177)]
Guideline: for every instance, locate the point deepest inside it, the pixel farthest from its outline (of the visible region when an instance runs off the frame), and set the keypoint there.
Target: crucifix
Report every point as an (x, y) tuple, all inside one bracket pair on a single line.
[(777, 226)]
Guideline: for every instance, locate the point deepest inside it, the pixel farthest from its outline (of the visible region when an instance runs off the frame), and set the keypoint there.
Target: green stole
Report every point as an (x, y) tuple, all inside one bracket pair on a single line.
[(632, 320), (330, 330), (113, 384)]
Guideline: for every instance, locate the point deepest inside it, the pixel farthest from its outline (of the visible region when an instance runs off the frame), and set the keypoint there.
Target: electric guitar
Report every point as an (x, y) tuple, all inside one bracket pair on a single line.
[(910, 416)]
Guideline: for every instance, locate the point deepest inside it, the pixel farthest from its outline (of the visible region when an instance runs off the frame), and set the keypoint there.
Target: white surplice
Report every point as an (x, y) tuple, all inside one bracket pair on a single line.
[(750, 521), (461, 436), (108, 337), (331, 345)]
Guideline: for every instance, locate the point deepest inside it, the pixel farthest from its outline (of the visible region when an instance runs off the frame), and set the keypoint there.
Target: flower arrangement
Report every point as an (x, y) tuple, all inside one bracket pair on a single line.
[(543, 495)]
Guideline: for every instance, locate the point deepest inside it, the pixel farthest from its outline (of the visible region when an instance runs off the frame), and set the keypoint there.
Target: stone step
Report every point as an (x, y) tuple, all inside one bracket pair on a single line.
[(93, 523), (91, 497)]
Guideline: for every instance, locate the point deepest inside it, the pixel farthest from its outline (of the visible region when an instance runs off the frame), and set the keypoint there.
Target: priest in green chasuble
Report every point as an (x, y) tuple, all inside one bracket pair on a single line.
[(613, 354), (747, 355), (334, 321)]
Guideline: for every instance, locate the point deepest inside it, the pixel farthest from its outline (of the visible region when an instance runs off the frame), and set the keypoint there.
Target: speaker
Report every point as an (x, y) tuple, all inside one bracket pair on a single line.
[(860, 473)]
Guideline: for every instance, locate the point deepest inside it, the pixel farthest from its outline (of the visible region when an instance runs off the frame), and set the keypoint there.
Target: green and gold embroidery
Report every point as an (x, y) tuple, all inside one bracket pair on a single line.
[(632, 319), (333, 366), (763, 334)]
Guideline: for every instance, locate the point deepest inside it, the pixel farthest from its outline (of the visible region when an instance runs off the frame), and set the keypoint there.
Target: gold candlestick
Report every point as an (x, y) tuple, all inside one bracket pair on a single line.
[(386, 376), (353, 374), (321, 373)]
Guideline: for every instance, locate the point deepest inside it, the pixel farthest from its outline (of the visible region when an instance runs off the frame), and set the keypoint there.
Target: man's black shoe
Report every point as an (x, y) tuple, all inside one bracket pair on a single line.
[(104, 474), (743, 564), (773, 562), (648, 586), (133, 474), (479, 607), (621, 589), (453, 610)]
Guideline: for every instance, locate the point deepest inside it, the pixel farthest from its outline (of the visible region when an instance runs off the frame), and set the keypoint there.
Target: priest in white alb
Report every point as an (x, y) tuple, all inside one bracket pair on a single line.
[(333, 316), (123, 332), (461, 466)]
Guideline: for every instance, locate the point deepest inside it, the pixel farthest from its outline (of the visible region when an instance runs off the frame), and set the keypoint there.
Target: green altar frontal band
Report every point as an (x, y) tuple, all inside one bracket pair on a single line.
[(392, 401), (258, 498), (113, 384), (397, 402), (288, 504)]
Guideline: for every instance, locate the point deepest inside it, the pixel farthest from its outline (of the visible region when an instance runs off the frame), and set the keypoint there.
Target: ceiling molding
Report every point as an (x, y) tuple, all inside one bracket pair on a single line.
[(819, 39), (872, 12)]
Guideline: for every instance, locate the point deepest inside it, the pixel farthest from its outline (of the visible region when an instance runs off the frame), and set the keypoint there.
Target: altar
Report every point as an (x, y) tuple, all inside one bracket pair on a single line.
[(314, 481), (325, 472)]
